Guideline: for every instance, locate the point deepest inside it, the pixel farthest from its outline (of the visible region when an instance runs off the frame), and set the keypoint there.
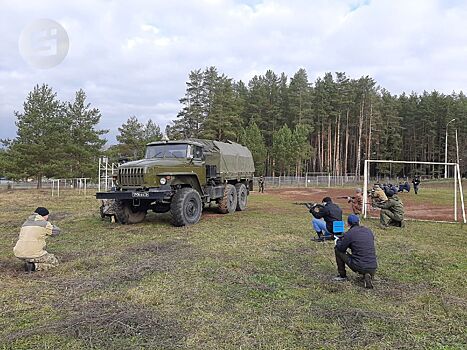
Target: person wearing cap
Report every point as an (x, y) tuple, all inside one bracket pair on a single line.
[(392, 211), (362, 259), (30, 246), (323, 217)]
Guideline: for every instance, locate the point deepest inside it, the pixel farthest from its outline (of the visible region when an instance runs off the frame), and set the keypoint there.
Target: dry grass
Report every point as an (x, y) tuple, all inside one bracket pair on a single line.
[(252, 280)]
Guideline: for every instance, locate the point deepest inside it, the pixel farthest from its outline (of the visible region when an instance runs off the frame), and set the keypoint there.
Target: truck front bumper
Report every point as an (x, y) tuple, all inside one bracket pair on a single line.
[(157, 195)]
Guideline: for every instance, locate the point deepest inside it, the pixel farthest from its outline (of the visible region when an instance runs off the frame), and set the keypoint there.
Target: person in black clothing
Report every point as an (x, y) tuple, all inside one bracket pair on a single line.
[(361, 242), (416, 183), (323, 217), (261, 184)]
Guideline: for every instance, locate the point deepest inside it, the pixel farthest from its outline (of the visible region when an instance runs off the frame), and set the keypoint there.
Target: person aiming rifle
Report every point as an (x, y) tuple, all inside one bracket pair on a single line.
[(357, 201), (30, 246), (323, 217)]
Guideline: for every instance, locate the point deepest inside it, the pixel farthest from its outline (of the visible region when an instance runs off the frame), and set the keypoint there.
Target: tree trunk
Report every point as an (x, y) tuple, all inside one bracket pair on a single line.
[(346, 152), (39, 181), (368, 152), (329, 149)]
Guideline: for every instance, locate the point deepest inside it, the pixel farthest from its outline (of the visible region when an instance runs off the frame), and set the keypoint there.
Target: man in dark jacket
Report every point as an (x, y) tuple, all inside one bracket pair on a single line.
[(416, 183), (392, 211), (323, 217), (361, 242)]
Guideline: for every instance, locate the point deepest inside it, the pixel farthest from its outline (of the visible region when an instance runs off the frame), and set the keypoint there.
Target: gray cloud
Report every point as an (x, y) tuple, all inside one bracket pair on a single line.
[(134, 58)]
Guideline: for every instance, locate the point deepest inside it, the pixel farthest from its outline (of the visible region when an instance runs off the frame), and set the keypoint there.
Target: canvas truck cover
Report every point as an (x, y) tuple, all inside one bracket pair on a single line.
[(231, 159)]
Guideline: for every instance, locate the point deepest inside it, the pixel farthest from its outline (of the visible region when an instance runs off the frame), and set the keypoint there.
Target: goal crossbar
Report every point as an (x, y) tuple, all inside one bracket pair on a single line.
[(457, 182)]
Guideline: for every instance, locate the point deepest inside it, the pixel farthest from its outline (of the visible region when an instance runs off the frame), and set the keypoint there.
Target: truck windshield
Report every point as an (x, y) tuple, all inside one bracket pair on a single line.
[(167, 151)]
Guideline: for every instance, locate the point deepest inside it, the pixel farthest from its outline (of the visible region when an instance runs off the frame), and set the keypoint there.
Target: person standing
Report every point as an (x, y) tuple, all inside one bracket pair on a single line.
[(416, 183), (324, 216), (30, 246), (261, 184), (362, 259)]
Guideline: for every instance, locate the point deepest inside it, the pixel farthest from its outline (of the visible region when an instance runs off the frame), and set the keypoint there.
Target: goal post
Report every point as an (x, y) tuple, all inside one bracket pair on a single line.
[(457, 182)]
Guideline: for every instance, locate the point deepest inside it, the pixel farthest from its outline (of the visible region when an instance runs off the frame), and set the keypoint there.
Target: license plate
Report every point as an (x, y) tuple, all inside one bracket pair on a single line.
[(140, 194)]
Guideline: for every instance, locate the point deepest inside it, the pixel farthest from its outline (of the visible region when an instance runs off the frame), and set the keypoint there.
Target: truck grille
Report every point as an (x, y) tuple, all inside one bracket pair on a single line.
[(131, 176)]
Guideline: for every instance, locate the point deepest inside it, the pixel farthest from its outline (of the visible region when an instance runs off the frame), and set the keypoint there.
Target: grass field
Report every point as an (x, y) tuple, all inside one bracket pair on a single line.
[(250, 280)]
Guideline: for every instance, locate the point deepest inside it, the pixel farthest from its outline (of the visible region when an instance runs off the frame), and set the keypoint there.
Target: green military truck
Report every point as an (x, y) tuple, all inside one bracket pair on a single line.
[(182, 177)]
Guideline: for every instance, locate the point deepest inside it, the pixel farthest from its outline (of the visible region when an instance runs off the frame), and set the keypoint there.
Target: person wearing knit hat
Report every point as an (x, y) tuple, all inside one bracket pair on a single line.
[(30, 246), (362, 259)]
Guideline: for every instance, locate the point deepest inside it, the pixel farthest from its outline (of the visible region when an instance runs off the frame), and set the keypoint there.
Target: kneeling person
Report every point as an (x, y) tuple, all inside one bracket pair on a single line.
[(31, 243), (392, 211), (324, 216), (361, 242)]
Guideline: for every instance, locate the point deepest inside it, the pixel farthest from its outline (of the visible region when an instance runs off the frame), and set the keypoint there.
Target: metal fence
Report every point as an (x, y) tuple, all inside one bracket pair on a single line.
[(323, 180), (65, 184), (308, 181)]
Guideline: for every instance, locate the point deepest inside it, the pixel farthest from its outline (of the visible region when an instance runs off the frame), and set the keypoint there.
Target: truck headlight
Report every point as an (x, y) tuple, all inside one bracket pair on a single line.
[(163, 180)]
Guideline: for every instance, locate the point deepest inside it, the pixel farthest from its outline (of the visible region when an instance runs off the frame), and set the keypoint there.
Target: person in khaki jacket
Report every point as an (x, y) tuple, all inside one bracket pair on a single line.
[(31, 243)]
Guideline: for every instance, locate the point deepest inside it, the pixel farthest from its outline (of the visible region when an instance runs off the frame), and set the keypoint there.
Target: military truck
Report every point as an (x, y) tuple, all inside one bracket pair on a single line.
[(182, 177)]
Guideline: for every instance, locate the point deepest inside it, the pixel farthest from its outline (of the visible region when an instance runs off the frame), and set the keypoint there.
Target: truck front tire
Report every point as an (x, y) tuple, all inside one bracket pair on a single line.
[(127, 214), (186, 207), (242, 196), (228, 202)]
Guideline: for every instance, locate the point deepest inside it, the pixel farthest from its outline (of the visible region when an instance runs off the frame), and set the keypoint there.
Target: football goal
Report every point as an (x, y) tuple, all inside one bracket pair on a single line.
[(437, 197)]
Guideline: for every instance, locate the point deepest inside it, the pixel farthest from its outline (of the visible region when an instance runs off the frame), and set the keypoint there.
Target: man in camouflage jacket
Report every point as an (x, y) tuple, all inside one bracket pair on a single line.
[(30, 246)]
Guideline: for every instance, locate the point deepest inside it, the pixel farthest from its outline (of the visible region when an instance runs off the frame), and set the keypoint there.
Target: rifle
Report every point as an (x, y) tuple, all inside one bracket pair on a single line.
[(310, 206), (346, 197)]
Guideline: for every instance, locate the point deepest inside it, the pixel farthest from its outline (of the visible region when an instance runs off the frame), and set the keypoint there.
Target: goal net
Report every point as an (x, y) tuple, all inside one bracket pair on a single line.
[(439, 196)]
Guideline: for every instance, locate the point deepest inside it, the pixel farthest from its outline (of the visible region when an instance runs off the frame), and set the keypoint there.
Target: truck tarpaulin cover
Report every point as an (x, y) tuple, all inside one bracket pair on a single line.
[(231, 159)]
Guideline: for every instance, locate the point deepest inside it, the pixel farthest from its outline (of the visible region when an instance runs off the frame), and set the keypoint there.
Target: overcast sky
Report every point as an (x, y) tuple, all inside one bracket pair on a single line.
[(133, 57)]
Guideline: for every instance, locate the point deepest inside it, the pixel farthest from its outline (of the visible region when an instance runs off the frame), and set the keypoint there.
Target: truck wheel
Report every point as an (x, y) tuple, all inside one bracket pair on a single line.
[(242, 196), (127, 214), (228, 203), (186, 207)]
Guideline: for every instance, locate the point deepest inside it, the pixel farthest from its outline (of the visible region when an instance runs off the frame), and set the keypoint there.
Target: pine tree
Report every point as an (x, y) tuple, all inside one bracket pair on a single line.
[(131, 138), (282, 149), (190, 119), (37, 149), (152, 132), (251, 137), (223, 120), (84, 141)]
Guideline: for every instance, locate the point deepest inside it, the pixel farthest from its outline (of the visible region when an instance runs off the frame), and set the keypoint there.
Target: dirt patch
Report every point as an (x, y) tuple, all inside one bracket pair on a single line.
[(413, 210)]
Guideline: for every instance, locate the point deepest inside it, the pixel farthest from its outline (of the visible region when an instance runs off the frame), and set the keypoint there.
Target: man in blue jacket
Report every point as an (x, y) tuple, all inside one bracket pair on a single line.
[(360, 240)]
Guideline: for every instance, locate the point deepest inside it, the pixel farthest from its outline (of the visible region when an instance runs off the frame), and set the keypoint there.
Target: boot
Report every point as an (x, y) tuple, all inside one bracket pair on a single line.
[(29, 267), (368, 281)]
